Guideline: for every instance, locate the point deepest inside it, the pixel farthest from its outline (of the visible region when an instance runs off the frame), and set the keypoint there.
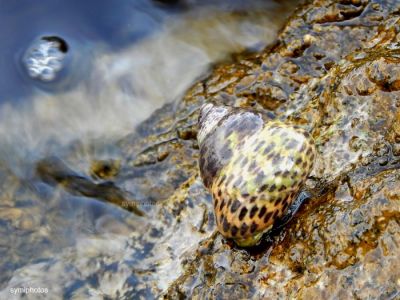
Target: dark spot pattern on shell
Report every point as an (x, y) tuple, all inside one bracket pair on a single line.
[(269, 148), (222, 204), (254, 169), (263, 188), (235, 206), (262, 212), (253, 211), (243, 213), (253, 199), (253, 227), (243, 229), (234, 230), (267, 217), (226, 226), (260, 177), (292, 144)]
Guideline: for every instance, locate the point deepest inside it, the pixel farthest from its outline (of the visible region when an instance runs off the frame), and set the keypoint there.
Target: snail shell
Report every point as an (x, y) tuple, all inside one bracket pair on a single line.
[(253, 168)]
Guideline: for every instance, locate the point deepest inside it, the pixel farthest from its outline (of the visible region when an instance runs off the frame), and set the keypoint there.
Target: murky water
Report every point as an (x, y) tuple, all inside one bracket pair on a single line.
[(125, 60)]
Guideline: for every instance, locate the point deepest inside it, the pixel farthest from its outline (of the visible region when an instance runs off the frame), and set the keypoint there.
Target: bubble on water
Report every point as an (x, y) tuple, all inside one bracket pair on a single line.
[(45, 58)]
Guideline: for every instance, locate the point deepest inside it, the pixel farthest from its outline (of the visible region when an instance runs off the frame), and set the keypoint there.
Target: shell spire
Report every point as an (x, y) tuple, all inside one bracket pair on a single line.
[(210, 115)]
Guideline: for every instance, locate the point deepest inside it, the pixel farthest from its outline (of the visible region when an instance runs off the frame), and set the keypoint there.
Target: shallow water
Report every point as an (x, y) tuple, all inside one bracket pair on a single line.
[(126, 59)]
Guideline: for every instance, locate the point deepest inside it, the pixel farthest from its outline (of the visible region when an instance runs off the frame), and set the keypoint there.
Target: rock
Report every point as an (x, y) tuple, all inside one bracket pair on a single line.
[(334, 71), (343, 243)]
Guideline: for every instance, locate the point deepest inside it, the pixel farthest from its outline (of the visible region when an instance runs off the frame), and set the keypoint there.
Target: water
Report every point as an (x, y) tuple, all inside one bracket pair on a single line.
[(126, 59)]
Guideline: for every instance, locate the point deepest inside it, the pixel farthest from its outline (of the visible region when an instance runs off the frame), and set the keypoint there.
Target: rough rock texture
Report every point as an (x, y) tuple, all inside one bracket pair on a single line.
[(334, 70)]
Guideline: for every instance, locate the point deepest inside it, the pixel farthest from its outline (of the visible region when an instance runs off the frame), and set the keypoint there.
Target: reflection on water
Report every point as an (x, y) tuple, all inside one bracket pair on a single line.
[(128, 59)]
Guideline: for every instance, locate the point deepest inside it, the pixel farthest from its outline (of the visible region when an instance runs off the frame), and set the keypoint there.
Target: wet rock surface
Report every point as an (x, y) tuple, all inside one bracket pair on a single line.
[(335, 71)]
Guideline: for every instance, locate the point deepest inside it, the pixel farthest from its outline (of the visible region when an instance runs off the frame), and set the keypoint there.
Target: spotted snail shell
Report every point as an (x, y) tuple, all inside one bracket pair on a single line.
[(253, 168)]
